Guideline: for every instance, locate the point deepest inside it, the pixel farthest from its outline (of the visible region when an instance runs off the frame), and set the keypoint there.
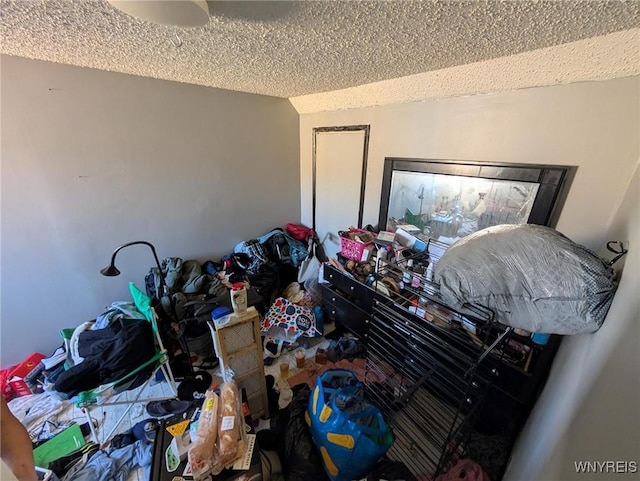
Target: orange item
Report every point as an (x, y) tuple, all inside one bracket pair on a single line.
[(179, 428)]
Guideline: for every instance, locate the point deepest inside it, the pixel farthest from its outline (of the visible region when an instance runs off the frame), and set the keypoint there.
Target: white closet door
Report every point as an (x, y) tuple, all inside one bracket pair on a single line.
[(338, 176)]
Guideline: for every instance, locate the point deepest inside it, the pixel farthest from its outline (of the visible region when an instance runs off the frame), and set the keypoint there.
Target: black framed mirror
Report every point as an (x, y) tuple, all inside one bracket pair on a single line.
[(448, 199)]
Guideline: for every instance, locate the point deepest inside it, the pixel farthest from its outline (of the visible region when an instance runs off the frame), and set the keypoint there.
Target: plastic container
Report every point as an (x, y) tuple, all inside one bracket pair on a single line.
[(406, 239), (321, 356), (381, 256), (429, 287), (221, 316), (239, 297), (406, 275), (540, 338), (354, 250), (300, 358), (284, 370)]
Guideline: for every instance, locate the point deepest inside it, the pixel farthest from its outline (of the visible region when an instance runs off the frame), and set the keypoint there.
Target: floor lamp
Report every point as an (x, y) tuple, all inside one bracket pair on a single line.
[(111, 270)]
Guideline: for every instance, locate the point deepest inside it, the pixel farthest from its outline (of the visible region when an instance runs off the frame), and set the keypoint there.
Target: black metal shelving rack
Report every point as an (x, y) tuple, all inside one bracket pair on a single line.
[(424, 371)]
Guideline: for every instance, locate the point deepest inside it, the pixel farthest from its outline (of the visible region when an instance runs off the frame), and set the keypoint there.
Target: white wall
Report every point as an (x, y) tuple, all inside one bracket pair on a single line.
[(593, 125), (590, 408), (91, 160)]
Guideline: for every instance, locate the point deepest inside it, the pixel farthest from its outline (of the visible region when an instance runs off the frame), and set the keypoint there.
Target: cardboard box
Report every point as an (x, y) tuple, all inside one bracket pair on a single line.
[(17, 376), (26, 366)]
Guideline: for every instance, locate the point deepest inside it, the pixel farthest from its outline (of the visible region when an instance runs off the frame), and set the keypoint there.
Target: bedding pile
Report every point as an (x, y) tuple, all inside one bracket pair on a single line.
[(531, 276)]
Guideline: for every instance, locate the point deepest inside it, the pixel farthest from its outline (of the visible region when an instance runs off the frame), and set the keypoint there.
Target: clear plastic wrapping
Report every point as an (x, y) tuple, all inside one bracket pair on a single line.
[(220, 437), (202, 453), (230, 425)]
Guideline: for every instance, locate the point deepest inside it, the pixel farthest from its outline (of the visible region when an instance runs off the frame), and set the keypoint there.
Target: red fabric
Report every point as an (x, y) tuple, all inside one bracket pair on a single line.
[(300, 232)]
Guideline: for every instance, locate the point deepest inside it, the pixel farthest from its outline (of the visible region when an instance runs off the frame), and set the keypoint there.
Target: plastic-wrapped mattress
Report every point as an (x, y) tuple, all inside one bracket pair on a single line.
[(531, 276)]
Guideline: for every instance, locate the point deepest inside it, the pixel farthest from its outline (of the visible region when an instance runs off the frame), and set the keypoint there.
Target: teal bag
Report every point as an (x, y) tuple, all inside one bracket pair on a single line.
[(350, 432)]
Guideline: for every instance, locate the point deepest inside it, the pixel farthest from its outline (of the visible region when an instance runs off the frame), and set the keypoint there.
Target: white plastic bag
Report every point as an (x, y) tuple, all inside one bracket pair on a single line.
[(310, 266)]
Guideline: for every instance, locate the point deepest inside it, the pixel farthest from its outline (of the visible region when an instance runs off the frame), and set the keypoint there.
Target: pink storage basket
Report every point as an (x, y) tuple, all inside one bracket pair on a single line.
[(352, 249)]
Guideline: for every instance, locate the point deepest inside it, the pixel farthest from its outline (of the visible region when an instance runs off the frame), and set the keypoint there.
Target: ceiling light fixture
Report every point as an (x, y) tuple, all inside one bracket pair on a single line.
[(186, 13)]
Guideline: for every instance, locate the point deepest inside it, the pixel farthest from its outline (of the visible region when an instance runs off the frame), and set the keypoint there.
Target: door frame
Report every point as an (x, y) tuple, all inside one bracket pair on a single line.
[(365, 154)]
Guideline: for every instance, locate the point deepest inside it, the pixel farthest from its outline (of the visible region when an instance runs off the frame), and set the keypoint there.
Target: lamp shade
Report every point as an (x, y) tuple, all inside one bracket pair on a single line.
[(110, 271), (186, 13)]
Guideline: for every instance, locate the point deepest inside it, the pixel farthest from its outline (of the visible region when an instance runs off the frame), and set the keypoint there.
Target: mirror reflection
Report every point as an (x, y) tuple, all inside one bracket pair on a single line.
[(448, 207)]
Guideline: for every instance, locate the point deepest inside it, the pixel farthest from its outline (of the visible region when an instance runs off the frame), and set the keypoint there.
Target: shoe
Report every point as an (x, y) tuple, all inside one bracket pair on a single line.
[(159, 409), (192, 388)]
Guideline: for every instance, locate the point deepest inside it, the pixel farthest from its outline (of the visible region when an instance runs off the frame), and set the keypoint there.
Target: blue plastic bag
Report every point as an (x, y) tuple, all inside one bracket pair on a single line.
[(350, 433)]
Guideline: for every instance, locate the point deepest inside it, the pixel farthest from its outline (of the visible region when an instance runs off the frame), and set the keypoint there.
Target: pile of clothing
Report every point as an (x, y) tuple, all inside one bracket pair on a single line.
[(46, 417), (107, 355)]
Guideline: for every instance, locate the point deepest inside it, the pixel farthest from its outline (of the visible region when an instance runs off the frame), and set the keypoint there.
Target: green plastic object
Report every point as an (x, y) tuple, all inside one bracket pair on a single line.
[(141, 300), (171, 460), (66, 442)]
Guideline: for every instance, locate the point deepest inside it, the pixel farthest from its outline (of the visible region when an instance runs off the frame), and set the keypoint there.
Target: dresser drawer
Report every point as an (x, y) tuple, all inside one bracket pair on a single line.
[(357, 292), (507, 378), (345, 313)]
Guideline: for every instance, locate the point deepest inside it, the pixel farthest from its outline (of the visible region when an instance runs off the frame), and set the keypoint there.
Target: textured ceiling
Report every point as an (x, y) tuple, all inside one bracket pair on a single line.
[(606, 57), (288, 49)]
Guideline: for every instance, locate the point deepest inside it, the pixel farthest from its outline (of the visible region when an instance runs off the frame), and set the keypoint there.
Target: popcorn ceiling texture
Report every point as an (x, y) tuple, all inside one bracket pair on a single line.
[(291, 49), (611, 56)]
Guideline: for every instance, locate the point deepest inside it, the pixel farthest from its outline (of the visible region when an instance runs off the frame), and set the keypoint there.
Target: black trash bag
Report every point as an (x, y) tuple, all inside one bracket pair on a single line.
[(266, 283), (300, 458), (385, 469)]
